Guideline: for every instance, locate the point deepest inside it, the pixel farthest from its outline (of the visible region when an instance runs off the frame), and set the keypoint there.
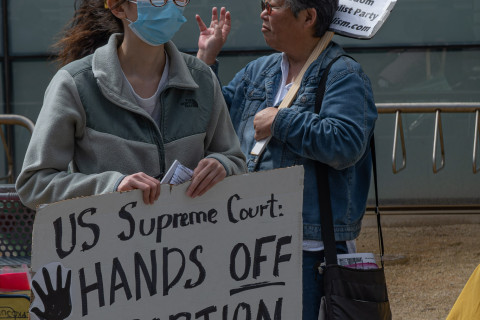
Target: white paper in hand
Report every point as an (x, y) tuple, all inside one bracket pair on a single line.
[(177, 174)]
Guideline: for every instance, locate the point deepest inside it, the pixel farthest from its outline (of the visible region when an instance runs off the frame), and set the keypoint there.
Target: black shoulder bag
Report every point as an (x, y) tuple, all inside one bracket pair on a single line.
[(356, 294)]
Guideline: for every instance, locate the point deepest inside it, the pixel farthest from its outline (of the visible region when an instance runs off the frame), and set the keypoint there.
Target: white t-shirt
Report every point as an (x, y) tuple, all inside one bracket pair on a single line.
[(149, 104), (308, 245)]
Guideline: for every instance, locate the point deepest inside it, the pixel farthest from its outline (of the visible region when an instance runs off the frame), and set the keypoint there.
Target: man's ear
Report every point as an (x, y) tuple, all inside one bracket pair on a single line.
[(310, 17), (117, 10)]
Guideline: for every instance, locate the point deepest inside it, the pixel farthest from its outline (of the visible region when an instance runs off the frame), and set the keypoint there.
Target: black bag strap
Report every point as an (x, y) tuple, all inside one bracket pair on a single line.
[(377, 210), (323, 83), (321, 171)]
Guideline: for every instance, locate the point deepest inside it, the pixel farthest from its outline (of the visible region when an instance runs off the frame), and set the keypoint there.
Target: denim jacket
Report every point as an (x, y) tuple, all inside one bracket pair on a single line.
[(339, 136)]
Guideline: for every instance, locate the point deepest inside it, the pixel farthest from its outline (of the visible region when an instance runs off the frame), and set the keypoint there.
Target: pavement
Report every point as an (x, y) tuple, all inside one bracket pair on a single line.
[(428, 259)]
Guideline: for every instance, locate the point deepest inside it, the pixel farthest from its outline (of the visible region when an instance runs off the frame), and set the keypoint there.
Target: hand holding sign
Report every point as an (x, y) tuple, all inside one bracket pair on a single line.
[(234, 253), (57, 303)]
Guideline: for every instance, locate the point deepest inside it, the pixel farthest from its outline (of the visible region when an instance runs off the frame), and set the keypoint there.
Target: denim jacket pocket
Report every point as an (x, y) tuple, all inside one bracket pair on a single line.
[(305, 102), (254, 99)]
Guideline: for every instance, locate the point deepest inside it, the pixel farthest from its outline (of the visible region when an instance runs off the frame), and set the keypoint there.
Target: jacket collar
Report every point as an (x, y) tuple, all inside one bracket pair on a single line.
[(180, 76), (108, 72)]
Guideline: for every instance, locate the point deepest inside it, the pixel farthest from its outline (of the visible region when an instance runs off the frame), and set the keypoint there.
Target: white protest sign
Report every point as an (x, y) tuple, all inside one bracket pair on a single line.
[(361, 19), (234, 253)]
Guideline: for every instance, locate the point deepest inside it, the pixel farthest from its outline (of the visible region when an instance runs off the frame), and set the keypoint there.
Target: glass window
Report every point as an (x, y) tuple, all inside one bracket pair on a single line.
[(427, 22), (230, 65), (2, 97), (398, 75), (1, 33), (246, 24), (418, 75), (411, 23), (428, 50), (3, 162), (29, 85), (34, 25)]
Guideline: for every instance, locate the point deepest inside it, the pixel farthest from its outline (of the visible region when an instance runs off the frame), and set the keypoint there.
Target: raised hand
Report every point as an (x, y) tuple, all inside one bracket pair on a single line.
[(212, 39), (57, 302)]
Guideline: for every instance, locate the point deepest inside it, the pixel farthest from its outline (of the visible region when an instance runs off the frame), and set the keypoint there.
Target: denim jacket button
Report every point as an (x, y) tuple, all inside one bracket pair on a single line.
[(303, 99)]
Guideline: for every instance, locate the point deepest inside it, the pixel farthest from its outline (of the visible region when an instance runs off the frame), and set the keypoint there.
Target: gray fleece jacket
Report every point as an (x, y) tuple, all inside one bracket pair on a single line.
[(91, 133)]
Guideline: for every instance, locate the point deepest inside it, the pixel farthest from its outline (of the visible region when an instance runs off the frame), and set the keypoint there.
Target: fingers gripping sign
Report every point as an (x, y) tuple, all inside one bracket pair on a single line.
[(208, 173), (52, 293), (149, 185)]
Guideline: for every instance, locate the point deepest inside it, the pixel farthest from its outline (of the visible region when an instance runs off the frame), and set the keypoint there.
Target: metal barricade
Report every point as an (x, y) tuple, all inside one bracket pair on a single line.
[(16, 225), (16, 220), (438, 108)]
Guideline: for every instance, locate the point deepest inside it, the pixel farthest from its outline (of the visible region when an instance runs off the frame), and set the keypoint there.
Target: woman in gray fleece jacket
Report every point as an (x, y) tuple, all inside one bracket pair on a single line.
[(124, 106)]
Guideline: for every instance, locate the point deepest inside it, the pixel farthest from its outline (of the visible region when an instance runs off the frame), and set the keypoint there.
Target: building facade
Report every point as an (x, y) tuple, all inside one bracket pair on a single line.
[(424, 64)]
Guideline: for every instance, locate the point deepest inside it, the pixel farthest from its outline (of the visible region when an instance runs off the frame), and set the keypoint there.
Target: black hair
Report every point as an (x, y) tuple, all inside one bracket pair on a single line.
[(325, 12)]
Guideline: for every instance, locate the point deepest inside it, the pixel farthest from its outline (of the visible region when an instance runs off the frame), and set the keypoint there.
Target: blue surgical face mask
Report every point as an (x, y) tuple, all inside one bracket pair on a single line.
[(157, 25)]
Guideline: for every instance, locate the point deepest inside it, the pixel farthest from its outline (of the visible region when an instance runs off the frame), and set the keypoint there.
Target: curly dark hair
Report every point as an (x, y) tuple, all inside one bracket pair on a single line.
[(90, 28)]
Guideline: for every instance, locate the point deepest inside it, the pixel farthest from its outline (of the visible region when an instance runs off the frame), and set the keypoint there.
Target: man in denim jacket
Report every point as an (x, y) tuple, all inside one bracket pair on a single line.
[(339, 136)]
